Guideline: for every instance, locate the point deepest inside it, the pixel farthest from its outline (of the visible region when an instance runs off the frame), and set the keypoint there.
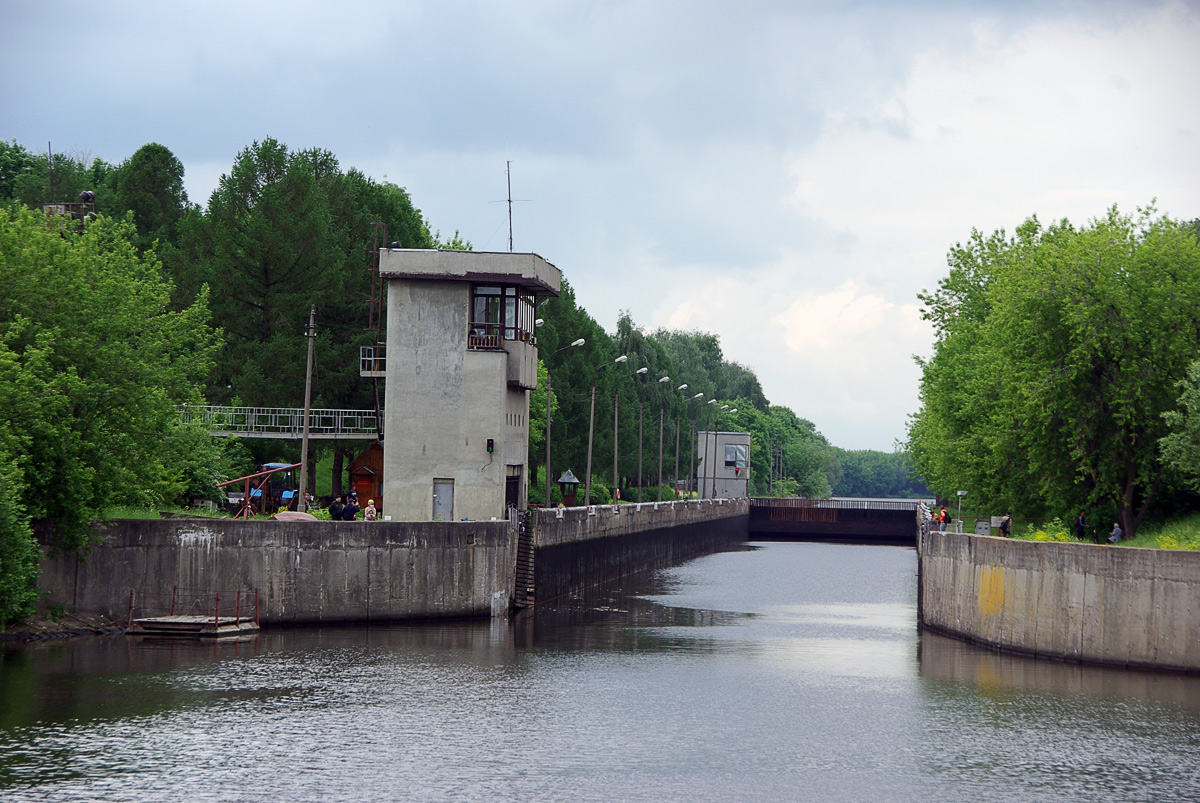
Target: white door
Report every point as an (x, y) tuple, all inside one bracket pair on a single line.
[(443, 500)]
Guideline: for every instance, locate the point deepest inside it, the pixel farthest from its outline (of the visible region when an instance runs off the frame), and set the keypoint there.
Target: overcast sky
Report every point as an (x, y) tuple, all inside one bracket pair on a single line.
[(788, 175)]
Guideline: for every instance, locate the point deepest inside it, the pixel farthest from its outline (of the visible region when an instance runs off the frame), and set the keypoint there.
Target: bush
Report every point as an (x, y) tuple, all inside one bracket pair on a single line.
[(1053, 530)]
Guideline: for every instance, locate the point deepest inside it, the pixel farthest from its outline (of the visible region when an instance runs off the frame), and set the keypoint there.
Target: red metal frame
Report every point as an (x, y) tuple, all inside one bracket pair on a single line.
[(247, 505)]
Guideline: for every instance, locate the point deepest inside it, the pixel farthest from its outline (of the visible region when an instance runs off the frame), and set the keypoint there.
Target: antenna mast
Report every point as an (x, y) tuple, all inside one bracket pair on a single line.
[(508, 175)]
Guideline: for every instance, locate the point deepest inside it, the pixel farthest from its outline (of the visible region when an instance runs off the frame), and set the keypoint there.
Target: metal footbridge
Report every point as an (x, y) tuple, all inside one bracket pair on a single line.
[(284, 422)]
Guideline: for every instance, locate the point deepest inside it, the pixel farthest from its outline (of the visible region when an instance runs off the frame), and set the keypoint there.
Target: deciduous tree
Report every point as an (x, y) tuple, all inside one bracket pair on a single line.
[(1058, 351)]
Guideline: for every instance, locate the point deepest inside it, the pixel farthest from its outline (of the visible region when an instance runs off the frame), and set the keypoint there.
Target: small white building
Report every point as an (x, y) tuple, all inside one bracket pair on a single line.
[(724, 471), (461, 360)]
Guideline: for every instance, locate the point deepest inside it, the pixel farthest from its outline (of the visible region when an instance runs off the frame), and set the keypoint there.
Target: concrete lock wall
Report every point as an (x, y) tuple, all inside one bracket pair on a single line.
[(305, 572), (1077, 602), (576, 548)]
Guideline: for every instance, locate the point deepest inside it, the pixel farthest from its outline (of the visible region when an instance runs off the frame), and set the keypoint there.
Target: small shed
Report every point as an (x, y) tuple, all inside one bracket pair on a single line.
[(366, 475)]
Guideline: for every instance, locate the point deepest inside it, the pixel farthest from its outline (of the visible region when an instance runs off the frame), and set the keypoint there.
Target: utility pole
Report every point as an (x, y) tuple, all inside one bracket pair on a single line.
[(311, 334)]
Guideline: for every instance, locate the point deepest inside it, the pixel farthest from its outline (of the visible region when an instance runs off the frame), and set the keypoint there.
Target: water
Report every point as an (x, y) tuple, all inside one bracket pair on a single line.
[(786, 672)]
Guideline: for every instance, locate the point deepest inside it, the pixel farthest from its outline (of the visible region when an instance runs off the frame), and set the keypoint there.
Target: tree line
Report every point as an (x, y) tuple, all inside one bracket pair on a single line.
[(1064, 375)]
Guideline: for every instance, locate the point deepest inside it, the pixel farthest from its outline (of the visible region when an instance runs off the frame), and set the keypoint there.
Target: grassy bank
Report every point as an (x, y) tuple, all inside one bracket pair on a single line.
[(1182, 533)]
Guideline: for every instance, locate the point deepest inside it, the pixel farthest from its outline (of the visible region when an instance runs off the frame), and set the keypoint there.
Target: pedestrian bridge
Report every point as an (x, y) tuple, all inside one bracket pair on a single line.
[(283, 422), (873, 521)]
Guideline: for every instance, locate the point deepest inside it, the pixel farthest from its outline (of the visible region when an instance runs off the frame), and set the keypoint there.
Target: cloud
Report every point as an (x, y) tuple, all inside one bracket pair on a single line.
[(1059, 119), (788, 176)]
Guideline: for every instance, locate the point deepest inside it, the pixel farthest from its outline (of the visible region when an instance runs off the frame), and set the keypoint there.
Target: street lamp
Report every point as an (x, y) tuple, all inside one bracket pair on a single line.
[(678, 418), (587, 488), (546, 362), (660, 436), (708, 468), (616, 430), (692, 450)]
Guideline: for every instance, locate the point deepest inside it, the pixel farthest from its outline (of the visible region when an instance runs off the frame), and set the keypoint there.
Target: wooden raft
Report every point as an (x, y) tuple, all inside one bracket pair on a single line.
[(193, 625)]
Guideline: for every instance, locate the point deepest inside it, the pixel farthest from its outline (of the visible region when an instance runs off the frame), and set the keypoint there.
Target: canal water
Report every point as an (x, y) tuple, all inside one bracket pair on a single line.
[(781, 672)]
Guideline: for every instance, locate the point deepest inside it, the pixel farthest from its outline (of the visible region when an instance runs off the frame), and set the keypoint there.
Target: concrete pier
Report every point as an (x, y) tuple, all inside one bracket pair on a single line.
[(338, 572), (1077, 602)]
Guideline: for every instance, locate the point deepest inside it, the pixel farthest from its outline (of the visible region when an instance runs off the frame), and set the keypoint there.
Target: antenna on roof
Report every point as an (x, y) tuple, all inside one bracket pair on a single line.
[(508, 175)]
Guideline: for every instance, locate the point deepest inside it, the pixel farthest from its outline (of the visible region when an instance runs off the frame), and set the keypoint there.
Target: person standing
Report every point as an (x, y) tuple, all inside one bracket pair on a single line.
[(943, 517), (335, 509), (1080, 527), (1005, 524)]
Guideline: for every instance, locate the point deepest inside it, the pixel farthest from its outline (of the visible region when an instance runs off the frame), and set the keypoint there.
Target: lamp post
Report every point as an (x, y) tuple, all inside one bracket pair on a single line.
[(311, 334), (661, 405), (587, 488), (691, 484), (708, 467), (616, 430), (678, 420), (660, 436), (546, 362)]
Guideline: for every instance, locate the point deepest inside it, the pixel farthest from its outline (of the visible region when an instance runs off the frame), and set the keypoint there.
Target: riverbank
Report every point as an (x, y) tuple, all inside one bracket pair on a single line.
[(69, 625)]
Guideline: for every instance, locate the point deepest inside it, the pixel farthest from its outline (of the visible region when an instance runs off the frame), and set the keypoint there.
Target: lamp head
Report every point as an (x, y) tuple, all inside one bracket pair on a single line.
[(734, 410), (664, 379), (622, 358), (579, 342), (712, 401), (682, 387), (640, 371), (724, 406), (539, 321), (698, 395)]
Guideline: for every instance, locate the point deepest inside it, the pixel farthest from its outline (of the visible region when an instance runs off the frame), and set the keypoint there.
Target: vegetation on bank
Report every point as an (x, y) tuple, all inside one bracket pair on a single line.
[(1181, 533), (1056, 378)]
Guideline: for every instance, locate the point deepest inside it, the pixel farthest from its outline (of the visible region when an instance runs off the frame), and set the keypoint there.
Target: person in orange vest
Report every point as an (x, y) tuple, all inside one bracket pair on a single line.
[(943, 519)]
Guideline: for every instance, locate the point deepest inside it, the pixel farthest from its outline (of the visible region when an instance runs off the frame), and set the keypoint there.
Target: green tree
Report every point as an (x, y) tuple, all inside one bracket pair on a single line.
[(90, 372), (284, 231), (150, 185), (1058, 351), (869, 473), (1181, 448)]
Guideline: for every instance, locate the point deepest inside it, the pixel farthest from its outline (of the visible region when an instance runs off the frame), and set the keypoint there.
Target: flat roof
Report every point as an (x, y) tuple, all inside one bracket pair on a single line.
[(494, 267)]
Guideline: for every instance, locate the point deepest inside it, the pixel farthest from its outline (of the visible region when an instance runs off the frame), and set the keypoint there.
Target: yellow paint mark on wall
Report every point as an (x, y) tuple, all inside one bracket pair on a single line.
[(991, 591)]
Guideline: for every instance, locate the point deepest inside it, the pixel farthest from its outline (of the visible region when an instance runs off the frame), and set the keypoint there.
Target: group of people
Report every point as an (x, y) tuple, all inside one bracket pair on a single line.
[(1114, 536), (1081, 529), (344, 508)]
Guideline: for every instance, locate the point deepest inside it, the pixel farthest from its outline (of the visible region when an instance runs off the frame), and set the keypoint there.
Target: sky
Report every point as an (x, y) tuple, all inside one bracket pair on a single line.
[(786, 175)]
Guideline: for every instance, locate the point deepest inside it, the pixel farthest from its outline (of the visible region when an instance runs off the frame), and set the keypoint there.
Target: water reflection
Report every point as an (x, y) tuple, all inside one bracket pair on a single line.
[(949, 661), (794, 671)]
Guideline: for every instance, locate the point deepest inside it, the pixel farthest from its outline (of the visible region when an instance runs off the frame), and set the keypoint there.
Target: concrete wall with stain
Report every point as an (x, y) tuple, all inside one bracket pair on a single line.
[(304, 572), (1077, 602)]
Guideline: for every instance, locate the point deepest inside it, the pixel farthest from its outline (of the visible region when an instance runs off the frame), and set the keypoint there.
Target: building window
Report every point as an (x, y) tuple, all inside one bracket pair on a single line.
[(499, 313), (735, 455)]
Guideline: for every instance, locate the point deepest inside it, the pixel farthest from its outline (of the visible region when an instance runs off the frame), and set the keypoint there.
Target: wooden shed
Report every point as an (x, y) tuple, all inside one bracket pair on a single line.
[(366, 475)]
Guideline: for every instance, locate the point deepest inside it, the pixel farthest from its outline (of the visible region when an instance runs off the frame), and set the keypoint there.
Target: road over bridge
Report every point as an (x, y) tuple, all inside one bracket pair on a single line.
[(860, 521)]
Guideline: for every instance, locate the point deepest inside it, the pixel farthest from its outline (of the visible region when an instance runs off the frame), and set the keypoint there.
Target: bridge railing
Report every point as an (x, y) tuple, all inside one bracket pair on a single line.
[(282, 422), (836, 504)]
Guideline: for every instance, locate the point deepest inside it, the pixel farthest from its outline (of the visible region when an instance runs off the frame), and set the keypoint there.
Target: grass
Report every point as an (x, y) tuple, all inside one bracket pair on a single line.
[(1182, 533)]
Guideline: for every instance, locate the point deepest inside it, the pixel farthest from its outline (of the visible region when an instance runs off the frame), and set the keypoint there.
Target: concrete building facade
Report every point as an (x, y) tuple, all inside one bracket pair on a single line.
[(461, 360), (724, 471)]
